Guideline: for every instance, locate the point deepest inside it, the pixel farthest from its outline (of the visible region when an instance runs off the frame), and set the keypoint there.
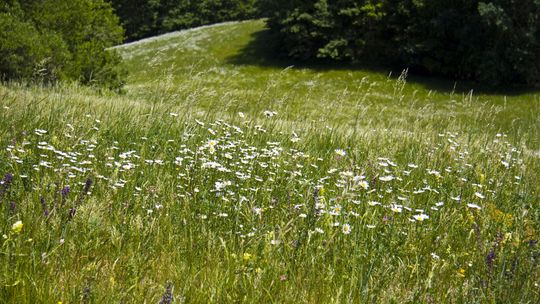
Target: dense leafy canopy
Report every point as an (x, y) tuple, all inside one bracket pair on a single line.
[(144, 18), (51, 40), (495, 41)]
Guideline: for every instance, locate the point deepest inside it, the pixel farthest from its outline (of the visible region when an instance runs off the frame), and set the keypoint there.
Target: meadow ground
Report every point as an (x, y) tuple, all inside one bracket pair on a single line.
[(226, 175)]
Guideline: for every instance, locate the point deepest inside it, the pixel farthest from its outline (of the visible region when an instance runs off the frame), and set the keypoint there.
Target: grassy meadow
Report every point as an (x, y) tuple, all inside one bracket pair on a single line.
[(223, 174)]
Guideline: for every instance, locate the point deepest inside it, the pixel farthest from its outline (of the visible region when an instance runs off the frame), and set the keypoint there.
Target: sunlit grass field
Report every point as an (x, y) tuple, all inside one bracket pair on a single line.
[(223, 175)]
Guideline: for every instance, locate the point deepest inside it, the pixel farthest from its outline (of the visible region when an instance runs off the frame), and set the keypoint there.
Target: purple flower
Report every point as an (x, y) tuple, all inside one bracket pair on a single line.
[(87, 185), (6, 182), (490, 258), (8, 178), (44, 206), (168, 297), (65, 191)]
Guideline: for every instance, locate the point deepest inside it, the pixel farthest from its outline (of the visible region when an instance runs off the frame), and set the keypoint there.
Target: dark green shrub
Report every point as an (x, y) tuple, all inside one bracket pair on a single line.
[(138, 17), (26, 53), (494, 41), (51, 40), (88, 27)]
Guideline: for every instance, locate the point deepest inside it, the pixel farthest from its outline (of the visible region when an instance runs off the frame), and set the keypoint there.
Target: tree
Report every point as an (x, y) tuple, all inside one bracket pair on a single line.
[(144, 18), (57, 40), (494, 42)]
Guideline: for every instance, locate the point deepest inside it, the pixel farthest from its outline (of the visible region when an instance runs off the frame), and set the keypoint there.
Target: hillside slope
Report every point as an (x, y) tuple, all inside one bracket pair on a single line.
[(231, 67)]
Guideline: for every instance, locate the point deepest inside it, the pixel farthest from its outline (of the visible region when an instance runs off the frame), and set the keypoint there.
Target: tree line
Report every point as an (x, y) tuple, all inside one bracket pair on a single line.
[(145, 18), (490, 41)]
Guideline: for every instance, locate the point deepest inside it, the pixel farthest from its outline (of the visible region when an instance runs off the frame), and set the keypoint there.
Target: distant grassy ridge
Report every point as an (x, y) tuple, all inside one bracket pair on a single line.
[(230, 67)]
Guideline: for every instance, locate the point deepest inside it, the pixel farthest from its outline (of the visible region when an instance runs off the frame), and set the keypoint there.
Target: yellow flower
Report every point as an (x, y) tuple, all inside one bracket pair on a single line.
[(499, 216), (247, 256), (461, 272), (17, 227)]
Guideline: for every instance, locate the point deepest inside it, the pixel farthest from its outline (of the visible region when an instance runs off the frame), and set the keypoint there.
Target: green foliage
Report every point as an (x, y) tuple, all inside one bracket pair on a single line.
[(25, 53), (53, 40), (143, 18), (490, 41), (138, 17)]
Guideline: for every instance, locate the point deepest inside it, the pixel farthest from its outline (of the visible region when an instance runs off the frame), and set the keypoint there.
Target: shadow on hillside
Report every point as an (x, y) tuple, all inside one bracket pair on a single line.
[(263, 50)]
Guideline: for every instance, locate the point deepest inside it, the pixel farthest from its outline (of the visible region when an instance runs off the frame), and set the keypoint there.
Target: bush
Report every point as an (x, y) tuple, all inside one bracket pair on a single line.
[(493, 42), (27, 53), (53, 40)]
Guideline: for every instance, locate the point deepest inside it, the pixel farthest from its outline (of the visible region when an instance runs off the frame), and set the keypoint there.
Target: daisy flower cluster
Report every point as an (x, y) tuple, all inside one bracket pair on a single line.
[(240, 174)]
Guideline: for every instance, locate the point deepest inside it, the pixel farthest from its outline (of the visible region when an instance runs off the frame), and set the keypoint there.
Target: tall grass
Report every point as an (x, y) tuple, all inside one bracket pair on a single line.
[(217, 181), (129, 201)]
